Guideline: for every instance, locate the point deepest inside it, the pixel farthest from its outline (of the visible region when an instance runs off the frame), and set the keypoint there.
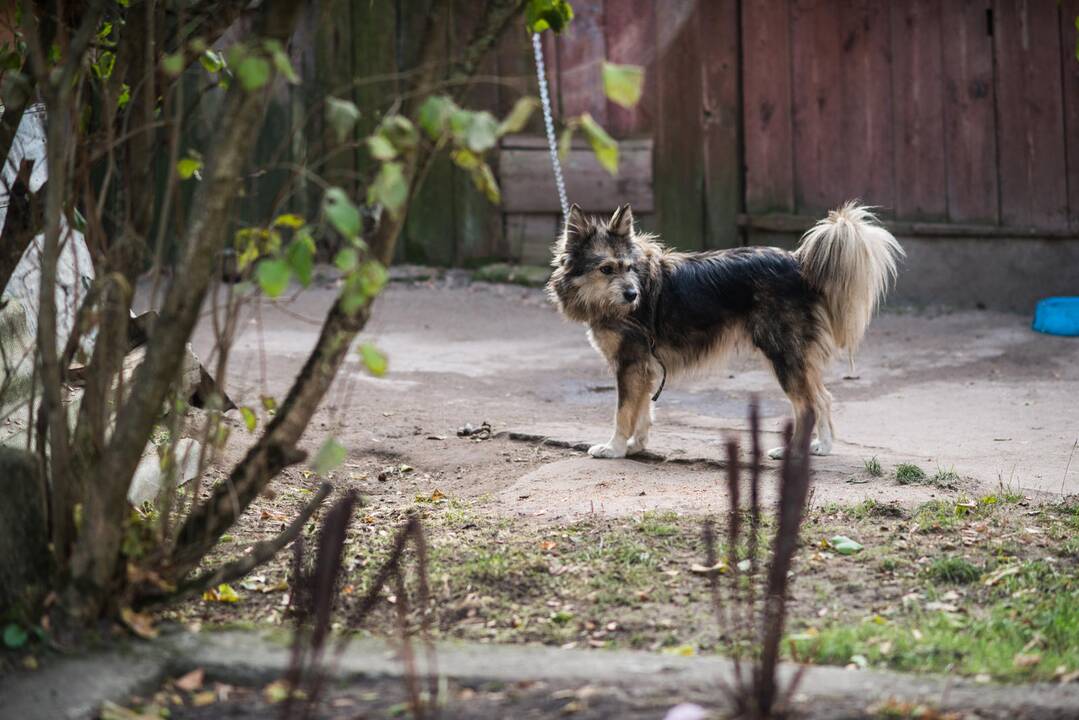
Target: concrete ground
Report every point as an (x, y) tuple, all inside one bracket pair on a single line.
[(974, 391), (631, 679)]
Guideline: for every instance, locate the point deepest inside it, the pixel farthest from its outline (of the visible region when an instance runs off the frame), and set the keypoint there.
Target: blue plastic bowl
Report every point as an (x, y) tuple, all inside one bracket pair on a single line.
[(1057, 316)]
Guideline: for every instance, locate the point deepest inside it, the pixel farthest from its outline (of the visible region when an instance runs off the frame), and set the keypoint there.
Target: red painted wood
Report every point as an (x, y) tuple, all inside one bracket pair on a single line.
[(679, 162), (817, 104), (1031, 114), (867, 152), (766, 72), (1069, 36), (630, 32), (719, 31), (581, 50), (970, 133), (917, 84)]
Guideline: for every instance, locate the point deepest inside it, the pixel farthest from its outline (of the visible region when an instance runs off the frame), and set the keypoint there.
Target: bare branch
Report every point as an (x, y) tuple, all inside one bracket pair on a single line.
[(261, 553)]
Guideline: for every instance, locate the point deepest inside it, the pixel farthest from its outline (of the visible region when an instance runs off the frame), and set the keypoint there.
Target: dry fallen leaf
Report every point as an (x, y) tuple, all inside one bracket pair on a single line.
[(140, 624), (191, 681)]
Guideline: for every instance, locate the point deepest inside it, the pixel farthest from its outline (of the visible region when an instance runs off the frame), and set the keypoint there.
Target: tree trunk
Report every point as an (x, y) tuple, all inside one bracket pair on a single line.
[(24, 540)]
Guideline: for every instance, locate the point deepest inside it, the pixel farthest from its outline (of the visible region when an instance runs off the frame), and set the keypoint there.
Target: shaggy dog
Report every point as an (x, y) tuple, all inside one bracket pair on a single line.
[(651, 311)]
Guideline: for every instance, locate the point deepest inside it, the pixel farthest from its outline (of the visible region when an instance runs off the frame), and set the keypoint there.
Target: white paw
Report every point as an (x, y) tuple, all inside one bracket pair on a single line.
[(776, 453), (605, 451), (820, 448), (635, 446)]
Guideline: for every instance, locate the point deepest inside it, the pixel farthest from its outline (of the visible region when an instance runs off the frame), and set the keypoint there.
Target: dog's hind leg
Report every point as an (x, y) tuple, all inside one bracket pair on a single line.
[(800, 378), (634, 383)]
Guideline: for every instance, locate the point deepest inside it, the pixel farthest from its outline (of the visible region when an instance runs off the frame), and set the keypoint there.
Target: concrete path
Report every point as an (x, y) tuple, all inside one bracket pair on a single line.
[(71, 688), (977, 392)]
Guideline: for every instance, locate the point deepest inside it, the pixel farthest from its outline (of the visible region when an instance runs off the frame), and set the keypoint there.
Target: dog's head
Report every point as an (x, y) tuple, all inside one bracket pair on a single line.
[(596, 265)]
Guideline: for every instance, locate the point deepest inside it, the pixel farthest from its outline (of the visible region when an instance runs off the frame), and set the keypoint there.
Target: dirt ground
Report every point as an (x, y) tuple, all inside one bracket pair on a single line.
[(977, 393)]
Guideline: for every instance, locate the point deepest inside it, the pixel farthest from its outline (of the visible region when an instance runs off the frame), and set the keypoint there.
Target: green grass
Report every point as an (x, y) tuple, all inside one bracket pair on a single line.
[(658, 524), (872, 466), (952, 569), (1028, 628), (907, 474), (945, 479)]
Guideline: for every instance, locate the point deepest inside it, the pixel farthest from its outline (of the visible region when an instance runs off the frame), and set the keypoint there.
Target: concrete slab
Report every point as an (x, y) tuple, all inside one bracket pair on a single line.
[(976, 392)]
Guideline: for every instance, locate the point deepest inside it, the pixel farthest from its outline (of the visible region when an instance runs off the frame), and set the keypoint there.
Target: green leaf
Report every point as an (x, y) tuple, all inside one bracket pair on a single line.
[(466, 159), (622, 84), (434, 115), (250, 419), (283, 65), (106, 61), (273, 277), (269, 404), (373, 278), (482, 133), (565, 141), (603, 145), (518, 117), (485, 182), (253, 72), (844, 545), (212, 62), (342, 214), (548, 15), (300, 256), (390, 189), (399, 131), (381, 148), (342, 116), (330, 456), (14, 636), (125, 96), (189, 167), (288, 220), (347, 260), (373, 359), (173, 65)]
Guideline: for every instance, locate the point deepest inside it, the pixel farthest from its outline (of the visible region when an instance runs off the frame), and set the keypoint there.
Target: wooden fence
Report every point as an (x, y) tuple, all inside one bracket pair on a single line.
[(955, 117)]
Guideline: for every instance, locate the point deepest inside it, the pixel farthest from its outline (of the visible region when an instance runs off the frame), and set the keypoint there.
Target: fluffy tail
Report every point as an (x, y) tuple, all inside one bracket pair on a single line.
[(851, 259)]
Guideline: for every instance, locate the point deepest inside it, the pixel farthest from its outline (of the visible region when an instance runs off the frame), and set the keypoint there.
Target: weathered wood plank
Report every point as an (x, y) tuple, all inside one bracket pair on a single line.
[(917, 82), (679, 162), (528, 183), (766, 72), (867, 150), (797, 224), (581, 51), (817, 104), (530, 237), (630, 33), (1069, 36), (477, 222), (719, 30), (1030, 110), (970, 129)]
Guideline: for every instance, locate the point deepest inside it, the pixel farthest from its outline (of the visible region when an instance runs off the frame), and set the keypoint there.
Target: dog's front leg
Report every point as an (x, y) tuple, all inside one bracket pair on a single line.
[(633, 389)]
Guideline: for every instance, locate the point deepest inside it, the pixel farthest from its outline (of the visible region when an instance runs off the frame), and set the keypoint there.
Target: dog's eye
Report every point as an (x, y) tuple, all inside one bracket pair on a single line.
[(606, 269)]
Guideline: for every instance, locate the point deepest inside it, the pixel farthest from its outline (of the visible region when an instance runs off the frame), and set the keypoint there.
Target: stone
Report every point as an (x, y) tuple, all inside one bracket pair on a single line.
[(24, 552), (149, 480)]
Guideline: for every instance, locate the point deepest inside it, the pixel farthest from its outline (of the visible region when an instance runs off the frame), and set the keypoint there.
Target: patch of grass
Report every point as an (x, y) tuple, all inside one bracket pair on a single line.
[(945, 479), (658, 524), (870, 508), (952, 569), (908, 474), (873, 468), (936, 515), (1026, 630)]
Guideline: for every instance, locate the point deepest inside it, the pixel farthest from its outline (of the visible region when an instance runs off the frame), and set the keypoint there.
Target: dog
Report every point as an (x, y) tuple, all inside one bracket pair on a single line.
[(651, 311)]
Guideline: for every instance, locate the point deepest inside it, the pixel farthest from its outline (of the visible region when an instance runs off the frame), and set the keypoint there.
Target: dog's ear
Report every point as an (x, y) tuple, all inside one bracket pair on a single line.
[(621, 223), (576, 222)]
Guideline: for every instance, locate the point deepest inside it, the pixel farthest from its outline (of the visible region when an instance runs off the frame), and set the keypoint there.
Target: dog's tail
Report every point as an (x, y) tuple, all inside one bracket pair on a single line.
[(851, 259)]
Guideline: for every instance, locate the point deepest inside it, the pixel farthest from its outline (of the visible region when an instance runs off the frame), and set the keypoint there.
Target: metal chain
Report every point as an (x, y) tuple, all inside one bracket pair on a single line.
[(548, 123)]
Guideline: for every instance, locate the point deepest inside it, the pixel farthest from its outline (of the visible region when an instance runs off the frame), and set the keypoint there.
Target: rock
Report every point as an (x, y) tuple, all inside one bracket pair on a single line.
[(149, 480), (24, 552)]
